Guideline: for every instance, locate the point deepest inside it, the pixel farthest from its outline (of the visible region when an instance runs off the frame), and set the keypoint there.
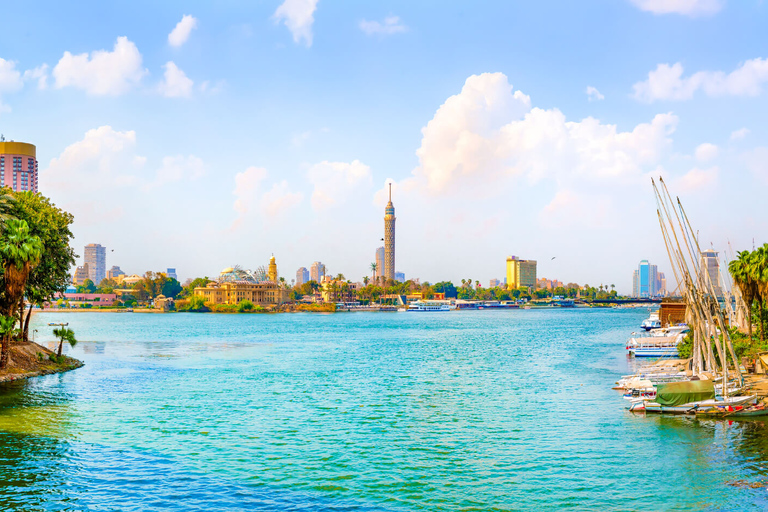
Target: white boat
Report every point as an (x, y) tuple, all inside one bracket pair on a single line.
[(669, 331), (689, 408), (654, 346), (652, 322), (423, 305)]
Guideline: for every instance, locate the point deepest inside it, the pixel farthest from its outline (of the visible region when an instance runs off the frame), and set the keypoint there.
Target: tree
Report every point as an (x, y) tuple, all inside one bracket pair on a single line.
[(365, 280), (7, 323), (373, 269), (742, 274), (51, 275), (20, 252), (67, 335), (245, 305), (171, 287)]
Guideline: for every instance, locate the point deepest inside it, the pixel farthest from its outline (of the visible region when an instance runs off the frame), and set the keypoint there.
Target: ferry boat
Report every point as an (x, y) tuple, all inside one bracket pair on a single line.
[(654, 346), (420, 305)]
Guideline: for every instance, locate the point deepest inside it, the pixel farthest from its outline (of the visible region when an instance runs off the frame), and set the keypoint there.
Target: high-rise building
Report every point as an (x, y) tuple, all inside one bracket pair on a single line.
[(114, 272), (18, 165), (379, 262), (96, 258), (646, 281), (400, 277), (710, 268), (520, 273), (494, 283), (302, 276), (317, 271), (81, 274), (171, 272), (389, 238)]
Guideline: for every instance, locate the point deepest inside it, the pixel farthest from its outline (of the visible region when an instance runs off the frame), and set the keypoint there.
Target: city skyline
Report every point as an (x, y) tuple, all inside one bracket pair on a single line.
[(248, 126)]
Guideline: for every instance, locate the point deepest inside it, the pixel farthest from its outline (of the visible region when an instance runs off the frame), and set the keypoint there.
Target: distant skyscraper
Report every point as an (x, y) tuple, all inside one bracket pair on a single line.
[(710, 267), (494, 283), (302, 276), (171, 272), (400, 277), (389, 238), (81, 274), (379, 262), (96, 258), (316, 271), (114, 272), (18, 165), (520, 273), (646, 281)]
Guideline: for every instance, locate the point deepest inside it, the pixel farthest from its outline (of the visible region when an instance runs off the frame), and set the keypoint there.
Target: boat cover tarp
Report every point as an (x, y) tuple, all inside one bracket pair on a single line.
[(679, 393)]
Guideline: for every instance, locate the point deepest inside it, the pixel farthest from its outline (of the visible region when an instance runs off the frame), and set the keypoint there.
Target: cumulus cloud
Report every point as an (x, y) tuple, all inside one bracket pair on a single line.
[(667, 82), (103, 72), (177, 168), (390, 25), (246, 186), (593, 94), (10, 77), (690, 8), (488, 132), (298, 16), (697, 180), (175, 82), (180, 33), (40, 73), (757, 162), (706, 152), (334, 182), (279, 199), (739, 134)]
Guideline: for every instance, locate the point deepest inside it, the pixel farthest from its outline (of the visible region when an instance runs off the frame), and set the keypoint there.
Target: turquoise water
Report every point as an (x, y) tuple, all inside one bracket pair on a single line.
[(484, 410)]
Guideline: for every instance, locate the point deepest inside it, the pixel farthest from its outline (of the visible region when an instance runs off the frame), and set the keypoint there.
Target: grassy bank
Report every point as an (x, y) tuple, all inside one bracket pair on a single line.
[(28, 359)]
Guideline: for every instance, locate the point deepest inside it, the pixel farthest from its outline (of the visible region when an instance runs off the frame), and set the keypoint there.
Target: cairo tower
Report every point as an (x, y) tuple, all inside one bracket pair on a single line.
[(389, 238)]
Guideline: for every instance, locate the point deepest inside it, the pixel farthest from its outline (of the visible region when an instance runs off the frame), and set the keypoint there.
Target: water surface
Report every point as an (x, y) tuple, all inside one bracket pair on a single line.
[(484, 410)]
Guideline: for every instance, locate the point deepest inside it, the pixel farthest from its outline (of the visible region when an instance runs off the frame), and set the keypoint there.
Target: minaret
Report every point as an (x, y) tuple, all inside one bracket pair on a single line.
[(272, 272), (389, 238)]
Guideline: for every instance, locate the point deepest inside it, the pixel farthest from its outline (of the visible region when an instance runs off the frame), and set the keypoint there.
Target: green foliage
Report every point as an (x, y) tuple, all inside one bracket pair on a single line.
[(224, 308), (245, 305), (195, 304), (87, 287), (189, 289), (685, 348), (446, 287), (171, 287), (64, 334)]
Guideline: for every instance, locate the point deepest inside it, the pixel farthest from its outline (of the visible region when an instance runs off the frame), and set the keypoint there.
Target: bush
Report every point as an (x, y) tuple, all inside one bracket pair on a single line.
[(224, 308), (245, 305), (195, 304)]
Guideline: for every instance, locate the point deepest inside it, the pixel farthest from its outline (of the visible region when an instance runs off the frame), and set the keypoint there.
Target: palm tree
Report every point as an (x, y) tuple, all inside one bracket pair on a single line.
[(373, 269), (7, 323), (741, 272), (20, 252), (760, 277), (67, 335)]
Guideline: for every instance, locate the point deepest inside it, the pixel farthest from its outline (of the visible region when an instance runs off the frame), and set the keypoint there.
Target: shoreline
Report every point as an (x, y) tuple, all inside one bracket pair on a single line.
[(30, 359)]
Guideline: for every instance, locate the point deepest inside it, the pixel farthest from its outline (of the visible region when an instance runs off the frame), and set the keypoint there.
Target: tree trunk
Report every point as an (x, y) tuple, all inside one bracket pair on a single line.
[(26, 323), (61, 344), (762, 323), (21, 316), (5, 353)]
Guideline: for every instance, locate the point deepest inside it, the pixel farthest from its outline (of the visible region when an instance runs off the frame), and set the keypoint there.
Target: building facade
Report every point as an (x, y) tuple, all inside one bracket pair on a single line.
[(18, 166), (389, 238), (520, 273), (494, 283), (171, 272), (317, 271), (400, 277), (272, 270), (379, 262), (113, 272), (81, 274), (302, 276), (647, 280), (96, 258), (261, 294), (710, 268)]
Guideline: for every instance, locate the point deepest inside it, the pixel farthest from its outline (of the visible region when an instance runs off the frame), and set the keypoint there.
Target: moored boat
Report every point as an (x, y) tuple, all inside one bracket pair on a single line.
[(654, 346), (686, 398)]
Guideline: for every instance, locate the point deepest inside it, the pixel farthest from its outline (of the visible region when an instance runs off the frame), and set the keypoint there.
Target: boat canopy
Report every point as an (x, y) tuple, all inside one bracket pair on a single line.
[(679, 393)]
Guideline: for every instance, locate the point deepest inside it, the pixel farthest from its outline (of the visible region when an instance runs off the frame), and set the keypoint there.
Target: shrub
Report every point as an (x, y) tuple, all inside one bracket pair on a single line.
[(245, 305), (195, 304), (224, 308)]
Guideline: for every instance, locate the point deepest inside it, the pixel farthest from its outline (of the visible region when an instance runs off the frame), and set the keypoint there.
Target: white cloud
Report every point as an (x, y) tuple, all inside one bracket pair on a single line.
[(175, 83), (177, 168), (697, 180), (246, 186), (391, 25), (566, 211), (103, 72), (10, 77), (706, 152), (180, 33), (335, 182), (40, 73), (593, 94), (298, 16), (667, 82), (691, 8), (740, 133), (279, 199), (488, 131)]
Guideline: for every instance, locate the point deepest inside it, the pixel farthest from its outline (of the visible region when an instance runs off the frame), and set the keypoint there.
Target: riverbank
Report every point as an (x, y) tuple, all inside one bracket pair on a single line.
[(28, 359)]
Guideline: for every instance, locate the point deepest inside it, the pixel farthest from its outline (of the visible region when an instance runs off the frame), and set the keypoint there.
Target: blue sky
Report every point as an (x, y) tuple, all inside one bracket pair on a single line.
[(272, 127)]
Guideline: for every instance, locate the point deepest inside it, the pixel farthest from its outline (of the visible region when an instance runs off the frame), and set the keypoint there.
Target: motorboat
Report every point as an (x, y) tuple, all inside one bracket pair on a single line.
[(652, 322), (654, 346), (687, 397), (423, 305)]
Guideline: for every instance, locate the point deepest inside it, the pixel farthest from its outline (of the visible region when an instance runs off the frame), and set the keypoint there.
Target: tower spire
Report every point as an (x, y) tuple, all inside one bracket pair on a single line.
[(390, 191)]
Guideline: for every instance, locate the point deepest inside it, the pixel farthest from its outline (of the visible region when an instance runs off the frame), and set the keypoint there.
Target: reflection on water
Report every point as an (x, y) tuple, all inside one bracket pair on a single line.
[(488, 410)]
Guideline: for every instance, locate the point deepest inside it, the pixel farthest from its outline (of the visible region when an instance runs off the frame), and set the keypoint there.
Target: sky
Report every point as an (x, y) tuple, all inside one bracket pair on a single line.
[(200, 136)]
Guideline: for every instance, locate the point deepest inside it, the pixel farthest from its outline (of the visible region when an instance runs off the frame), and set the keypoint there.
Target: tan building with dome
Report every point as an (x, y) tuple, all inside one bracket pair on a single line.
[(235, 285)]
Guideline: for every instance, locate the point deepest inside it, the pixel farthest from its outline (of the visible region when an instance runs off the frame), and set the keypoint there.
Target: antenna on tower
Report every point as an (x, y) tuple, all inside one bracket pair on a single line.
[(390, 191)]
